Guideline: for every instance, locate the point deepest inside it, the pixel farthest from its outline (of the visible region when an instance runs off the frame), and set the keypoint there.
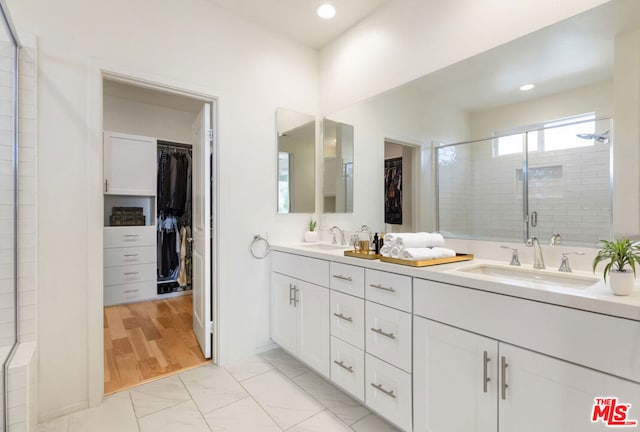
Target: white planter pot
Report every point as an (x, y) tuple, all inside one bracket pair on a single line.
[(311, 236), (621, 283)]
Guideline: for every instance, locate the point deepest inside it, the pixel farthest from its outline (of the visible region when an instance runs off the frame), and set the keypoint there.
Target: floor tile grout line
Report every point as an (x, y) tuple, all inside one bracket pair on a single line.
[(258, 403), (133, 408)]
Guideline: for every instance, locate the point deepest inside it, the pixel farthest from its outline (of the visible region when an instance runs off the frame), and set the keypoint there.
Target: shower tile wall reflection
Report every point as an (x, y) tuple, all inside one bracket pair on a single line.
[(480, 190)]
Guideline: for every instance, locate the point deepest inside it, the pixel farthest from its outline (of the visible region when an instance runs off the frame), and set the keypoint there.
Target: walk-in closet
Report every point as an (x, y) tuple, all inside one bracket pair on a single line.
[(152, 256)]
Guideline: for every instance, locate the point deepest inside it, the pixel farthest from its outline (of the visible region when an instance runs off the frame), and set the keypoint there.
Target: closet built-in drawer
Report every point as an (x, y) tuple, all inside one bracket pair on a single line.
[(347, 318), (129, 255), (388, 392), (347, 279), (347, 367), (130, 274), (389, 289), (128, 293), (388, 335), (129, 236)]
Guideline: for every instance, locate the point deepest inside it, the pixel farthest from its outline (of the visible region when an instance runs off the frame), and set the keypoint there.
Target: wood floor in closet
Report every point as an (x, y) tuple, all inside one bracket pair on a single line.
[(147, 340)]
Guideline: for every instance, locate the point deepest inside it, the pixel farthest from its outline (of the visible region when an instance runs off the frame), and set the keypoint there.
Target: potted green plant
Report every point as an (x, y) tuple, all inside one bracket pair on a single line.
[(311, 235), (618, 254)]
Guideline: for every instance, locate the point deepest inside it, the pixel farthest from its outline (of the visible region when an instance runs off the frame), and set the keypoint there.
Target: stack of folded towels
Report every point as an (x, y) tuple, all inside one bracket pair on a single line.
[(415, 246)]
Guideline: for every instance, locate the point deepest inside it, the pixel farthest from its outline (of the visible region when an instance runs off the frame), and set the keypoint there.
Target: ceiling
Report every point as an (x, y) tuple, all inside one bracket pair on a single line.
[(297, 19)]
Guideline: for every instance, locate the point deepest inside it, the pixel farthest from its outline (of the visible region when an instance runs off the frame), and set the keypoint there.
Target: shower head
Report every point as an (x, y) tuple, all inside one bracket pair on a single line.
[(603, 137)]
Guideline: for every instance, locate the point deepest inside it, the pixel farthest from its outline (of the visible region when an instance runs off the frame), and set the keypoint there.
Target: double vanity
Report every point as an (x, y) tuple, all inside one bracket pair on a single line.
[(477, 345)]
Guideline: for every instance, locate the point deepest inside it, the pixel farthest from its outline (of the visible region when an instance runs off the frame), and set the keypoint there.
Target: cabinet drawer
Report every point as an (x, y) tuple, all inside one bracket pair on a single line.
[(130, 255), (347, 367), (388, 335), (129, 293), (129, 236), (307, 269), (347, 318), (347, 279), (388, 391), (129, 274), (388, 289)]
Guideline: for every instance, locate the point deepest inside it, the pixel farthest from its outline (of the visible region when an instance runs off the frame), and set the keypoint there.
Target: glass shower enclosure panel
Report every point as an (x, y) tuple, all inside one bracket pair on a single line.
[(479, 195)]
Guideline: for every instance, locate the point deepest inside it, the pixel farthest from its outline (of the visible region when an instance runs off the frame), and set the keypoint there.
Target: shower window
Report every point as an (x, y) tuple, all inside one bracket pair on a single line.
[(562, 184)]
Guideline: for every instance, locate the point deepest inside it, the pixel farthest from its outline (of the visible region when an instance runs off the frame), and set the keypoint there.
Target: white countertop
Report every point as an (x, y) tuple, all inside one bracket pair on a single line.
[(595, 298)]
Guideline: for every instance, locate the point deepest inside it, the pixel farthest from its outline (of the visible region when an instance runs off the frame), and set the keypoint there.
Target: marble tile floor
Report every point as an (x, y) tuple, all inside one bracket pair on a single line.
[(269, 392)]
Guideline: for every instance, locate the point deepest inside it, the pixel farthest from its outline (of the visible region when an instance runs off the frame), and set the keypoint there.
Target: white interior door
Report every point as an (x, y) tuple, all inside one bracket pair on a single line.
[(201, 254)]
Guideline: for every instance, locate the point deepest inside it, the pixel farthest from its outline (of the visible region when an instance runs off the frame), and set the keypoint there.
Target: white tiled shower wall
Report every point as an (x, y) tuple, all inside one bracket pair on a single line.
[(480, 195)]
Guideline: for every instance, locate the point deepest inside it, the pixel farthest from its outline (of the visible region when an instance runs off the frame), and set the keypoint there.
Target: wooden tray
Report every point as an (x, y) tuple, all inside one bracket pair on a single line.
[(425, 263), (370, 256)]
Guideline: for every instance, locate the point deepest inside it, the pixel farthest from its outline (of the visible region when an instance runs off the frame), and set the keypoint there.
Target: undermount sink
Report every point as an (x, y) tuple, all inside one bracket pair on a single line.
[(529, 277), (325, 246)]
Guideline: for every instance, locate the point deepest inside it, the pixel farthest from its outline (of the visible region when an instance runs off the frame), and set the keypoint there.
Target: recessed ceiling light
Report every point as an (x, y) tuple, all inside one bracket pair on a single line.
[(326, 11), (527, 87)]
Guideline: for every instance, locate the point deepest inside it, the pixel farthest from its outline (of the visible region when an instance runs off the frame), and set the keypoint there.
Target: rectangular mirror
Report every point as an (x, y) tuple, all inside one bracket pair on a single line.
[(296, 162), (337, 151)]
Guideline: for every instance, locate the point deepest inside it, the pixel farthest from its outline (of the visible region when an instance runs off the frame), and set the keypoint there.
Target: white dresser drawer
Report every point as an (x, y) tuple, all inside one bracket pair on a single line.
[(389, 289), (130, 255), (347, 318), (130, 236), (388, 392), (304, 268), (128, 293), (388, 335), (130, 274), (347, 279), (347, 367)]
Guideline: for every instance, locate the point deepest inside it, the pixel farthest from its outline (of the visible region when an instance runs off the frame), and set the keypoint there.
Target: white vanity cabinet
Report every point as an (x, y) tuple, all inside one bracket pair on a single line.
[(130, 164), (300, 306), (469, 375)]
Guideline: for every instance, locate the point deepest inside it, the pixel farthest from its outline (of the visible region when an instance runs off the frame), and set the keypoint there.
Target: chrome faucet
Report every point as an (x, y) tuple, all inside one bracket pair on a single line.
[(365, 228), (538, 260), (556, 239), (515, 261), (564, 264), (342, 239)]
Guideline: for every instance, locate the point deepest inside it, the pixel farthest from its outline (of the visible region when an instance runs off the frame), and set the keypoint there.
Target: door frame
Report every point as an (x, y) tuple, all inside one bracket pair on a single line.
[(97, 72)]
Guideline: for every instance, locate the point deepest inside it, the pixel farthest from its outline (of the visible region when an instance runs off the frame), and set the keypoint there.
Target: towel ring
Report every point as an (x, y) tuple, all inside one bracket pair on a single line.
[(257, 239)]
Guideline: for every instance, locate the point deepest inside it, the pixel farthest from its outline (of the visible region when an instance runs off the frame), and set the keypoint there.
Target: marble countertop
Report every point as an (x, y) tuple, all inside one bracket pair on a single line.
[(596, 297)]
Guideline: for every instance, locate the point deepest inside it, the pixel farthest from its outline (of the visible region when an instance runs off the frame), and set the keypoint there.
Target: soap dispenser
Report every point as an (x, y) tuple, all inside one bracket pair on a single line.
[(376, 246)]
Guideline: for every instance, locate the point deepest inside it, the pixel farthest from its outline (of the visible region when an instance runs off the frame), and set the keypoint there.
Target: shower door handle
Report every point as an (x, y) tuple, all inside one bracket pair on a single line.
[(534, 219)]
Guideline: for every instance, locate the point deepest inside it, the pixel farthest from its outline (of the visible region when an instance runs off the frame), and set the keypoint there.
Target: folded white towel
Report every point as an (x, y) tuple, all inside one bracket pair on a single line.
[(417, 254), (440, 252), (395, 252), (419, 240), (385, 250)]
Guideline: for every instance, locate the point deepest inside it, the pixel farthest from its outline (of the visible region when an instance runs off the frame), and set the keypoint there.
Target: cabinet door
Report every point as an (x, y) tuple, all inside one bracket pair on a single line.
[(313, 332), (130, 164), (546, 394), (283, 312), (449, 379)]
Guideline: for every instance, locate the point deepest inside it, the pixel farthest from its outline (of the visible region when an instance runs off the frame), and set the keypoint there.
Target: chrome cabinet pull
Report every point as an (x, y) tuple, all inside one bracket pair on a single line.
[(296, 300), (390, 393), (106, 185), (343, 366), (339, 315), (390, 289), (131, 291), (486, 378), (290, 294), (131, 255), (130, 273), (379, 331), (503, 375), (347, 278), (130, 235)]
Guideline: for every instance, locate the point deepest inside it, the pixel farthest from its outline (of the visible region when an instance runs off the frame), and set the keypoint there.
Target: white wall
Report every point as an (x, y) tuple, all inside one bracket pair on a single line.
[(407, 39), (198, 47)]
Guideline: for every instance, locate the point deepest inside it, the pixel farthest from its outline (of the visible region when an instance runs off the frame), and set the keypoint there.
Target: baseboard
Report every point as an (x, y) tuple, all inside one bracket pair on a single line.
[(69, 409)]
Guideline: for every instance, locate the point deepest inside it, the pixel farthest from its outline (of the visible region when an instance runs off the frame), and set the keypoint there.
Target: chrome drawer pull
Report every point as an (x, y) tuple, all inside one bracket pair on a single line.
[(131, 291), (130, 273), (131, 255), (342, 365), (347, 278), (339, 315), (382, 287), (486, 378), (503, 375), (390, 393), (379, 331), (130, 235)]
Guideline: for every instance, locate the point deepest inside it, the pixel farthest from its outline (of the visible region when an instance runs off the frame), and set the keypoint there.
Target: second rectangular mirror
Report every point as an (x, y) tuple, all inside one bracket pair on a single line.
[(337, 190)]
